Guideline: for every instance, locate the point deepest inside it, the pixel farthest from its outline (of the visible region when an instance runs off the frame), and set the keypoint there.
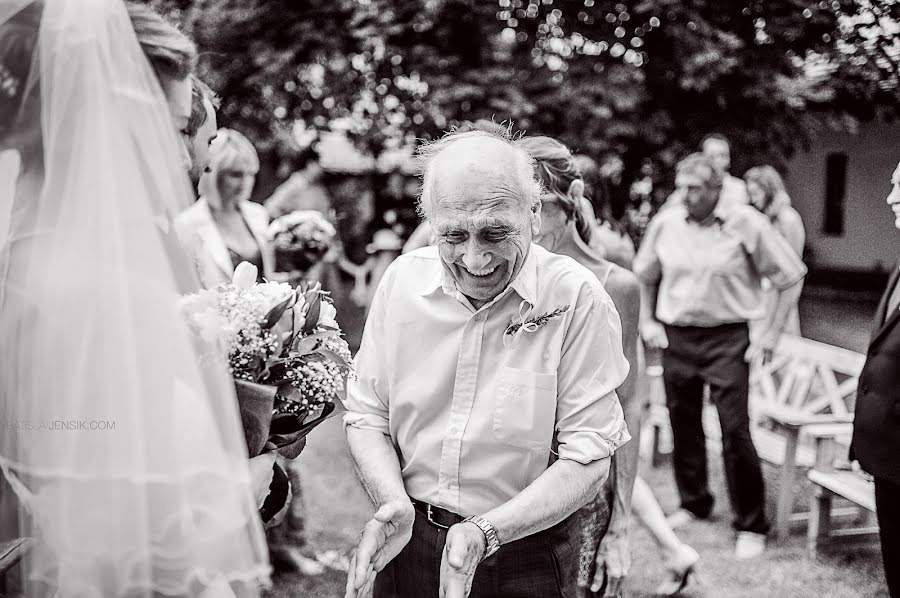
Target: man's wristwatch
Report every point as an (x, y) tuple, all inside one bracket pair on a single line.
[(492, 541)]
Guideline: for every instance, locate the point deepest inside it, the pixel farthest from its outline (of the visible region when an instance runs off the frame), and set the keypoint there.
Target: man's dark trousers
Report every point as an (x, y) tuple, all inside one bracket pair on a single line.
[(714, 356), (543, 565)]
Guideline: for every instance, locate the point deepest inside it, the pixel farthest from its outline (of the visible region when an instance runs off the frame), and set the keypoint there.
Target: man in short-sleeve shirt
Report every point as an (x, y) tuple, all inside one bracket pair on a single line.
[(701, 265), (485, 411)]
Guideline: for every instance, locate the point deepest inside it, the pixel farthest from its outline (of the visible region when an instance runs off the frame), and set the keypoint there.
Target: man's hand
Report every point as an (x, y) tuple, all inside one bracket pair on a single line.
[(383, 537), (261, 473), (654, 334), (613, 563), (762, 349), (463, 550)]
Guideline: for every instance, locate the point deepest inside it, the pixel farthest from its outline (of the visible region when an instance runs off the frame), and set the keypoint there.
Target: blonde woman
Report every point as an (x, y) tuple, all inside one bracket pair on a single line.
[(767, 194), (224, 228)]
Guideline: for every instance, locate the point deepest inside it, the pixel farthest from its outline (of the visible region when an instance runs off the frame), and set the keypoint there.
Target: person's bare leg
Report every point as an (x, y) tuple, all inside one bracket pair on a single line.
[(678, 558)]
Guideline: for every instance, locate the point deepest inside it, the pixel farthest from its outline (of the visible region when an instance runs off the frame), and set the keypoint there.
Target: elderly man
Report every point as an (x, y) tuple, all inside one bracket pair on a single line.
[(485, 410), (876, 429), (701, 266)]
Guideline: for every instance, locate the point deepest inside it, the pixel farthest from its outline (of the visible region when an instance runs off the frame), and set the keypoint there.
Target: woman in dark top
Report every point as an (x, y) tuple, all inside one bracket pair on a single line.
[(224, 228)]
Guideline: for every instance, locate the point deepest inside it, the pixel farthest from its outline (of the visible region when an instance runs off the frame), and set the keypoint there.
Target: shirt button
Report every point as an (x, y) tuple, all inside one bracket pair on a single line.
[(453, 430), (477, 317)]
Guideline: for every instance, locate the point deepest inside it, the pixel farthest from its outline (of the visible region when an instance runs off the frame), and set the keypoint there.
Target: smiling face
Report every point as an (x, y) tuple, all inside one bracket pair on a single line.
[(482, 219), (893, 198)]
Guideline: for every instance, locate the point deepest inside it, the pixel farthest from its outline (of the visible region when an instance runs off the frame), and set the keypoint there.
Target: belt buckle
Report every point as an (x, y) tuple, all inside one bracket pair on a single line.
[(432, 521)]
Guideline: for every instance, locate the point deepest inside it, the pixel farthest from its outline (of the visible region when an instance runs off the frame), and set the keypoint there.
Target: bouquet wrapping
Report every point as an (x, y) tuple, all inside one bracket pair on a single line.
[(284, 349), (301, 239)]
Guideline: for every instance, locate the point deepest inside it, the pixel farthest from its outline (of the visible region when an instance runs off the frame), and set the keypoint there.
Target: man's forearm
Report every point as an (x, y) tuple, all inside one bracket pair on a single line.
[(648, 300), (787, 299), (377, 465), (561, 490)]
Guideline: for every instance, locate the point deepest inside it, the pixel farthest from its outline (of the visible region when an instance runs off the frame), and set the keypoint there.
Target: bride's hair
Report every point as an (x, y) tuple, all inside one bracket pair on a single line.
[(171, 54), (18, 38), (169, 51)]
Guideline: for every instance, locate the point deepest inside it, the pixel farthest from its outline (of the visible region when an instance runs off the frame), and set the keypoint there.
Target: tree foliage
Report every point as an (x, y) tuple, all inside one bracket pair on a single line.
[(647, 78)]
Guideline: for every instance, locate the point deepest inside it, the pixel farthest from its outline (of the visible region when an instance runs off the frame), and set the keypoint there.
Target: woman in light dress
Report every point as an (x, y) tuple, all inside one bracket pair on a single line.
[(605, 555), (768, 195)]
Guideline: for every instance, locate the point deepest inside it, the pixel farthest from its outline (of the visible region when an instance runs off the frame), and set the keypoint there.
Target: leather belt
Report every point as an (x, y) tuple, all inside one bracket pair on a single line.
[(437, 516)]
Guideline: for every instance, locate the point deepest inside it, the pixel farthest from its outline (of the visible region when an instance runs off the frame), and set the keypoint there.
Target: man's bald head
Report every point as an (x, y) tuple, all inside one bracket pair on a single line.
[(482, 197), (493, 157)]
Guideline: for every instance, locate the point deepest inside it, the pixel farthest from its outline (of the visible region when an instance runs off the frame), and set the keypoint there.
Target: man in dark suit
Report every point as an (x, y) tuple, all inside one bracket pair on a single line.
[(876, 431)]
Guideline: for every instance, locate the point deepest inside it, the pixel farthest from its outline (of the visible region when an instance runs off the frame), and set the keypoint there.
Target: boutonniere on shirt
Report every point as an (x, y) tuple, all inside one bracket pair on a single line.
[(529, 325)]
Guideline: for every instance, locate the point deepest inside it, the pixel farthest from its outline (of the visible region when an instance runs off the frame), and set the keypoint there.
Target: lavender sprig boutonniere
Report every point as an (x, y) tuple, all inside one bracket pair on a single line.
[(532, 324)]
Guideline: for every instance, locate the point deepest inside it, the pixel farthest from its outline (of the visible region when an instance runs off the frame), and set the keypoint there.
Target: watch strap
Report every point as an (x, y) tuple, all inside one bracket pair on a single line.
[(492, 540)]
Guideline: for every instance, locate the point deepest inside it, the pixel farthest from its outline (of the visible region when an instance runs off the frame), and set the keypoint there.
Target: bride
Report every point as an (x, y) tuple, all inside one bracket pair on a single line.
[(121, 438)]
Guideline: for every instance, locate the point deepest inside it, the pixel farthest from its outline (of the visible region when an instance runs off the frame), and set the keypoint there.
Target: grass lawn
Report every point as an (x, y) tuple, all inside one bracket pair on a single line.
[(337, 509)]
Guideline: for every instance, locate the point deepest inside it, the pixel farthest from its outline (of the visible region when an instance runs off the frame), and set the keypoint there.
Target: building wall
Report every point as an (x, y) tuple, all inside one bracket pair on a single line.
[(870, 242)]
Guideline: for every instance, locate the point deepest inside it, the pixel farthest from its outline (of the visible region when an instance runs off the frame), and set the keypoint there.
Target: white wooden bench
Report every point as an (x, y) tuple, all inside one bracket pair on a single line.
[(805, 383), (830, 482)]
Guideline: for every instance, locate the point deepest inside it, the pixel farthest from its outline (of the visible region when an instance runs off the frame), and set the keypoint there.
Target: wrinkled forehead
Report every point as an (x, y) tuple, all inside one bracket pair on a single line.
[(478, 178)]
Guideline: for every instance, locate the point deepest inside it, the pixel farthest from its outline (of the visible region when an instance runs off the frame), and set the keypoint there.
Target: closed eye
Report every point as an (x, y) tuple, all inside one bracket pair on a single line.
[(453, 237)]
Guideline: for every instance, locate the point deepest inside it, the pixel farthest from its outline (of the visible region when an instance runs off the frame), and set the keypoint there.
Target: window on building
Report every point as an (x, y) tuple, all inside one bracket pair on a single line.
[(835, 193)]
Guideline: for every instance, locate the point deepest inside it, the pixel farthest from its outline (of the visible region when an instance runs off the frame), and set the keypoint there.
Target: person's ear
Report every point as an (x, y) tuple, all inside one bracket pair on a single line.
[(576, 190), (536, 217)]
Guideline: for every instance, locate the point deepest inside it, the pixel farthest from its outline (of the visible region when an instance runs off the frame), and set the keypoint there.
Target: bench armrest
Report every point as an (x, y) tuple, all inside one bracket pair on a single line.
[(793, 418)]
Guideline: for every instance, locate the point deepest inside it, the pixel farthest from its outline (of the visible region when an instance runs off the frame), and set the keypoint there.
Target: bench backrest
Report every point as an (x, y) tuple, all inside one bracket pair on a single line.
[(808, 376)]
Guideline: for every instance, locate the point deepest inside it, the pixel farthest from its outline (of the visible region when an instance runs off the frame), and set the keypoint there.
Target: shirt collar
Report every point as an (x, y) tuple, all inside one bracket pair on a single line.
[(525, 283), (719, 214)]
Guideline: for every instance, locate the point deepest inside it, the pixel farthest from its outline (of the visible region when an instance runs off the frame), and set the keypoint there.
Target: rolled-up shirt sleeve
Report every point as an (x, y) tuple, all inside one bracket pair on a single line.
[(647, 266), (772, 255), (590, 424), (367, 392)]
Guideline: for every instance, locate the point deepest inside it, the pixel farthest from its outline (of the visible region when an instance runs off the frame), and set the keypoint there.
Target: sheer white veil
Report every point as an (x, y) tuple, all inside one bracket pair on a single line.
[(121, 436)]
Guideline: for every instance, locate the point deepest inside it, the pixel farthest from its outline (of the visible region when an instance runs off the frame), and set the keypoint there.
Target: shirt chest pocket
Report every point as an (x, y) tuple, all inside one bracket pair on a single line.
[(525, 408)]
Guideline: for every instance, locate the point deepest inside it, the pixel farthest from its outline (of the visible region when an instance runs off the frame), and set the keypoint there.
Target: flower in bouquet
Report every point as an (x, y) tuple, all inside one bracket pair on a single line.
[(279, 337), (301, 239)]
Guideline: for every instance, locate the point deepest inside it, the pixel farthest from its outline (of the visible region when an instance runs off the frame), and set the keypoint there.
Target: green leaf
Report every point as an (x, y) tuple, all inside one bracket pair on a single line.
[(312, 314), (307, 344), (276, 312), (334, 357)]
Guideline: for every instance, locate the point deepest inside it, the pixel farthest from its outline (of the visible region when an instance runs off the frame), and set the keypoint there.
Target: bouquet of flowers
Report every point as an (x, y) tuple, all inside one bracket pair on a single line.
[(285, 352), (301, 239)]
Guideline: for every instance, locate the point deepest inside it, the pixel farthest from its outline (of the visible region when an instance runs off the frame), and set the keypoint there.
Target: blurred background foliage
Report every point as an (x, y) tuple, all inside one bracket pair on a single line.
[(644, 78)]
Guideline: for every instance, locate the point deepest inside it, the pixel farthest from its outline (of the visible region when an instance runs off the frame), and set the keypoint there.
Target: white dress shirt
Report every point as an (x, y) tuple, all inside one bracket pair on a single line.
[(710, 273), (473, 411)]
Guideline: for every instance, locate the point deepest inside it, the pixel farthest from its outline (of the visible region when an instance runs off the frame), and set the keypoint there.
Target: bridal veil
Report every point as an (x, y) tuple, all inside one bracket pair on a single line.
[(121, 443)]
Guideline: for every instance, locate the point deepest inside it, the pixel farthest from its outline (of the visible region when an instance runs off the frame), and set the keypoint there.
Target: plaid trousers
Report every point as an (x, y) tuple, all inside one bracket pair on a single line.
[(543, 565)]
